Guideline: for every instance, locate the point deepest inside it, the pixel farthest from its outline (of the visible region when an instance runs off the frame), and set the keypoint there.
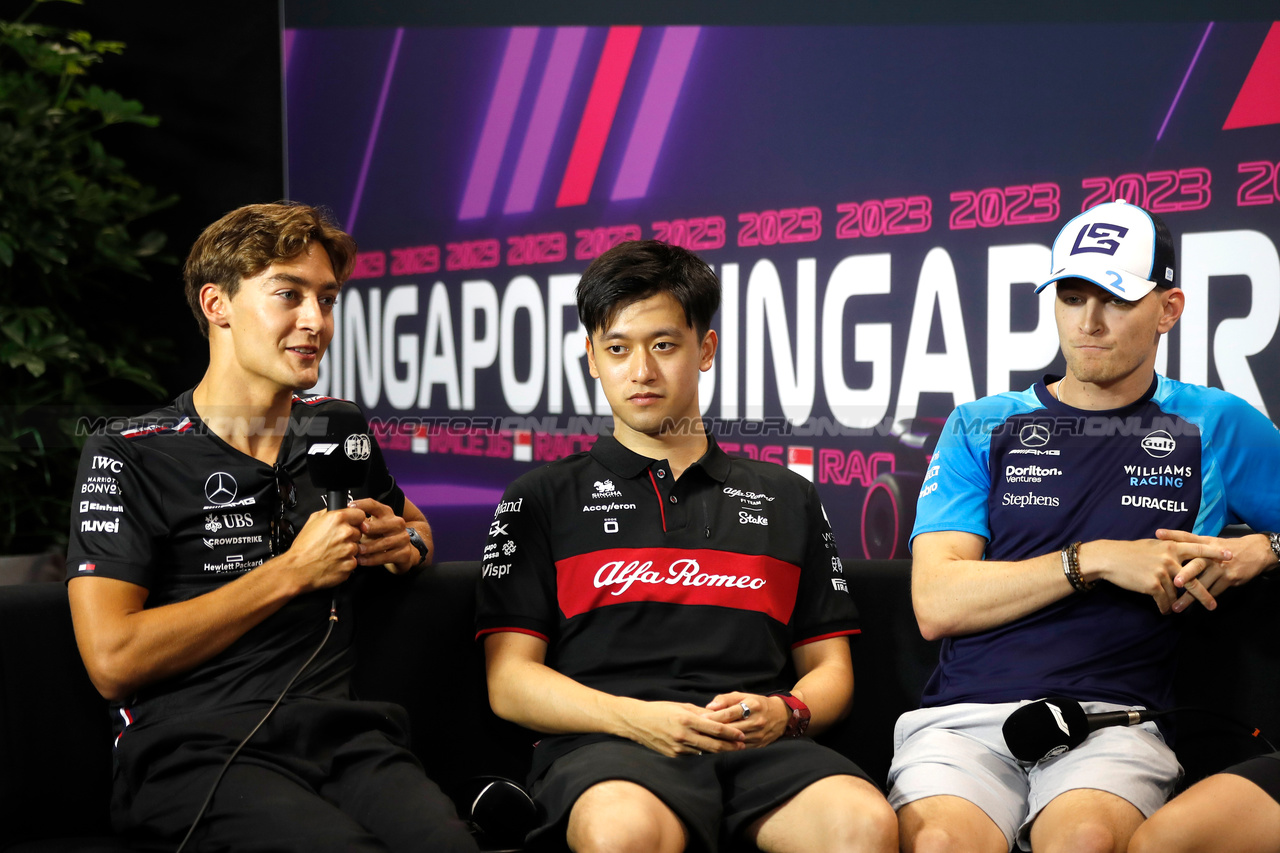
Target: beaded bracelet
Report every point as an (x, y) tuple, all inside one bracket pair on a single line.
[(1071, 567)]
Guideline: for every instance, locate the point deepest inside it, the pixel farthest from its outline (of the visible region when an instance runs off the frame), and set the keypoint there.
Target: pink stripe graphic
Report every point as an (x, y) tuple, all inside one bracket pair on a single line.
[(497, 122), (656, 107), (548, 109), (1185, 77), (373, 130), (597, 120)]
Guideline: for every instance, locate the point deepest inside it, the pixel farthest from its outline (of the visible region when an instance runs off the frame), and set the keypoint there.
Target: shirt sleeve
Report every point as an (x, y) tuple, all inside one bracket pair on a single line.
[(1245, 448), (517, 590), (824, 607), (957, 485), (115, 516)]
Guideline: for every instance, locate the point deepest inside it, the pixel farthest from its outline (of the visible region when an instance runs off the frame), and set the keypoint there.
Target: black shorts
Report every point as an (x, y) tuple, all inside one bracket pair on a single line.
[(1263, 771), (320, 775), (715, 795)]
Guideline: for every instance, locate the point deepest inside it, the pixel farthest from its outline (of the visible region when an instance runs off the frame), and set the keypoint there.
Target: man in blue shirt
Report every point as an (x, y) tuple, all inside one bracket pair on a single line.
[(1036, 559)]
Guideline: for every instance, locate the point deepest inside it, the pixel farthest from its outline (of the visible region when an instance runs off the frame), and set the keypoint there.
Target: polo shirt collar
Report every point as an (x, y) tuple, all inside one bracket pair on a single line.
[(624, 462)]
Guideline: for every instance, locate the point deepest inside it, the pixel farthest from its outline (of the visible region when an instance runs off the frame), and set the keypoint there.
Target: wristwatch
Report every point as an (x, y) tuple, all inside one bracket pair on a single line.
[(798, 722), (1274, 539), (415, 539)]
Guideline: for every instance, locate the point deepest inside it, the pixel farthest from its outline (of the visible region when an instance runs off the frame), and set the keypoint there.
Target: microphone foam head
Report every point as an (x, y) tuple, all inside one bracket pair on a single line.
[(1043, 729), (339, 459)]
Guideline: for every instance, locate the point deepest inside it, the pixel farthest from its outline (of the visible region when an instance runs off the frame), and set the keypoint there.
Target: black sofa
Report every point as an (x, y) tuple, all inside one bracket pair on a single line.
[(416, 648)]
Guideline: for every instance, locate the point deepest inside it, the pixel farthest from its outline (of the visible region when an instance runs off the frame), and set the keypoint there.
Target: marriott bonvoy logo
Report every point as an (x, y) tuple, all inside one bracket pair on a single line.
[(686, 572)]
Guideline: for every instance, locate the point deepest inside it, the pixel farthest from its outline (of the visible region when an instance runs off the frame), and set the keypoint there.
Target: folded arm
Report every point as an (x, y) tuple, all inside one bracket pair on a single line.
[(126, 645), (956, 592), (523, 689)]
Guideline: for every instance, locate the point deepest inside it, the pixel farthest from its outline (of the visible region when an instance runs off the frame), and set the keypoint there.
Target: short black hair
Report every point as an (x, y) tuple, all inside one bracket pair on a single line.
[(636, 270)]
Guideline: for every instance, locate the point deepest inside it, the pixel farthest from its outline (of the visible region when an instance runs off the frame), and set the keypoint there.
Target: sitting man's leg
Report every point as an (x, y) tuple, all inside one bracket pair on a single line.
[(796, 795), (618, 795), (1236, 810), (838, 813), (374, 778), (1092, 798), (954, 785), (623, 816)]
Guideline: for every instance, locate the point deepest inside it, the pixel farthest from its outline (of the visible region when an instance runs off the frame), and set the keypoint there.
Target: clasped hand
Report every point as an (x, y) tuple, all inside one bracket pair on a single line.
[(681, 728)]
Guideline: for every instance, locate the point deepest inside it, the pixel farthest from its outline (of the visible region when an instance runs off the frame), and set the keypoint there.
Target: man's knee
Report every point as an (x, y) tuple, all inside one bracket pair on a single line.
[(945, 824), (623, 817), (854, 814)]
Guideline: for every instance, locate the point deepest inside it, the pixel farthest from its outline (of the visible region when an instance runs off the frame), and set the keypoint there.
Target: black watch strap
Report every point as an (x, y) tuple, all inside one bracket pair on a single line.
[(416, 539)]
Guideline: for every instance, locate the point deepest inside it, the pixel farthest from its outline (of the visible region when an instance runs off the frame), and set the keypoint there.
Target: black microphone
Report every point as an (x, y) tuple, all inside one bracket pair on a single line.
[(339, 459), (1049, 727)]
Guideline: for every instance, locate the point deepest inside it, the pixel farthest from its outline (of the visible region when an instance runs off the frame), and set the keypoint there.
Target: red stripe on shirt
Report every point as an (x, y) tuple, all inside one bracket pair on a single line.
[(542, 637), (825, 637), (677, 576)]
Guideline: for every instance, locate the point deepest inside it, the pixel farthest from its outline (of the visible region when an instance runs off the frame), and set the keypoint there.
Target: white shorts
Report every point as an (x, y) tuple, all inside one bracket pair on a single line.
[(959, 750)]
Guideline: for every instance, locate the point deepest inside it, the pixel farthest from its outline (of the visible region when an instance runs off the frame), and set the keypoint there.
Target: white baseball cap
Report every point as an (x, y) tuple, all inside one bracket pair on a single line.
[(1116, 245)]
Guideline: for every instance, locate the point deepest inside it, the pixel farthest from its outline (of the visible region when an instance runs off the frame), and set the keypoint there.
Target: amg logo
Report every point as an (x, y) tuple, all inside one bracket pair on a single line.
[(100, 526)]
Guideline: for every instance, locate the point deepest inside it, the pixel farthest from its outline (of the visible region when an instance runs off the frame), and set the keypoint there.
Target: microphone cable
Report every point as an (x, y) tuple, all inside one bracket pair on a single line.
[(333, 618)]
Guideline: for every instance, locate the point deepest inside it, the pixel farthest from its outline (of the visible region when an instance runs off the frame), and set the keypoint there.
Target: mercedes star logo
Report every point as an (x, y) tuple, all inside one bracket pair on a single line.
[(220, 488), (1034, 435)]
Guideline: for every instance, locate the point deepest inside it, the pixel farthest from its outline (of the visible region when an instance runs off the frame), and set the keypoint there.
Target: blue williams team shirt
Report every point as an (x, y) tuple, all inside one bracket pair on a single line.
[(1031, 475)]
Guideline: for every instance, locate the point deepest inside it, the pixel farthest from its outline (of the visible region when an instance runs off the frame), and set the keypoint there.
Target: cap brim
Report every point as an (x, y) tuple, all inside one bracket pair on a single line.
[(1118, 282)]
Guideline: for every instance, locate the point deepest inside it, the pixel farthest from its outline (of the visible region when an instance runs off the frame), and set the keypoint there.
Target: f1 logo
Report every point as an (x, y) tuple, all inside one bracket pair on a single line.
[(1100, 232)]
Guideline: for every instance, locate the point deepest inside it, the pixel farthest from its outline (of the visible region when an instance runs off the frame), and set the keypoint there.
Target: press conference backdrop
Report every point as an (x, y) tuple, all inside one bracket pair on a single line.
[(877, 201)]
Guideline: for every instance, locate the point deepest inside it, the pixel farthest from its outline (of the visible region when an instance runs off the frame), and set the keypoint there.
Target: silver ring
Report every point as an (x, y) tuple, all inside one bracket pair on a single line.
[(746, 712)]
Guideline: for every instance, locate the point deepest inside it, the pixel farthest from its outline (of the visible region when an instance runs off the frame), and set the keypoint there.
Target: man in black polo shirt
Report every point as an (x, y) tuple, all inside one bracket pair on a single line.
[(195, 603), (672, 618)]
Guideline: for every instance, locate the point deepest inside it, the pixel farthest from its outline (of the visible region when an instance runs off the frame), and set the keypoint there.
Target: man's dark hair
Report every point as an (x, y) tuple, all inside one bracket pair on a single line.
[(633, 271), (249, 239)]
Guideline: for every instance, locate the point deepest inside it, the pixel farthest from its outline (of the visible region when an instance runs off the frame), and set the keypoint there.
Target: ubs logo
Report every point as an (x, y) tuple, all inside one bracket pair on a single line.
[(221, 488), (1034, 435), (1159, 444)]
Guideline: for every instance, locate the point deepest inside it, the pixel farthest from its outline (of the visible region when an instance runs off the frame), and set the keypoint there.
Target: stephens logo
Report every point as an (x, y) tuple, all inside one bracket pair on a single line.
[(1159, 444)]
